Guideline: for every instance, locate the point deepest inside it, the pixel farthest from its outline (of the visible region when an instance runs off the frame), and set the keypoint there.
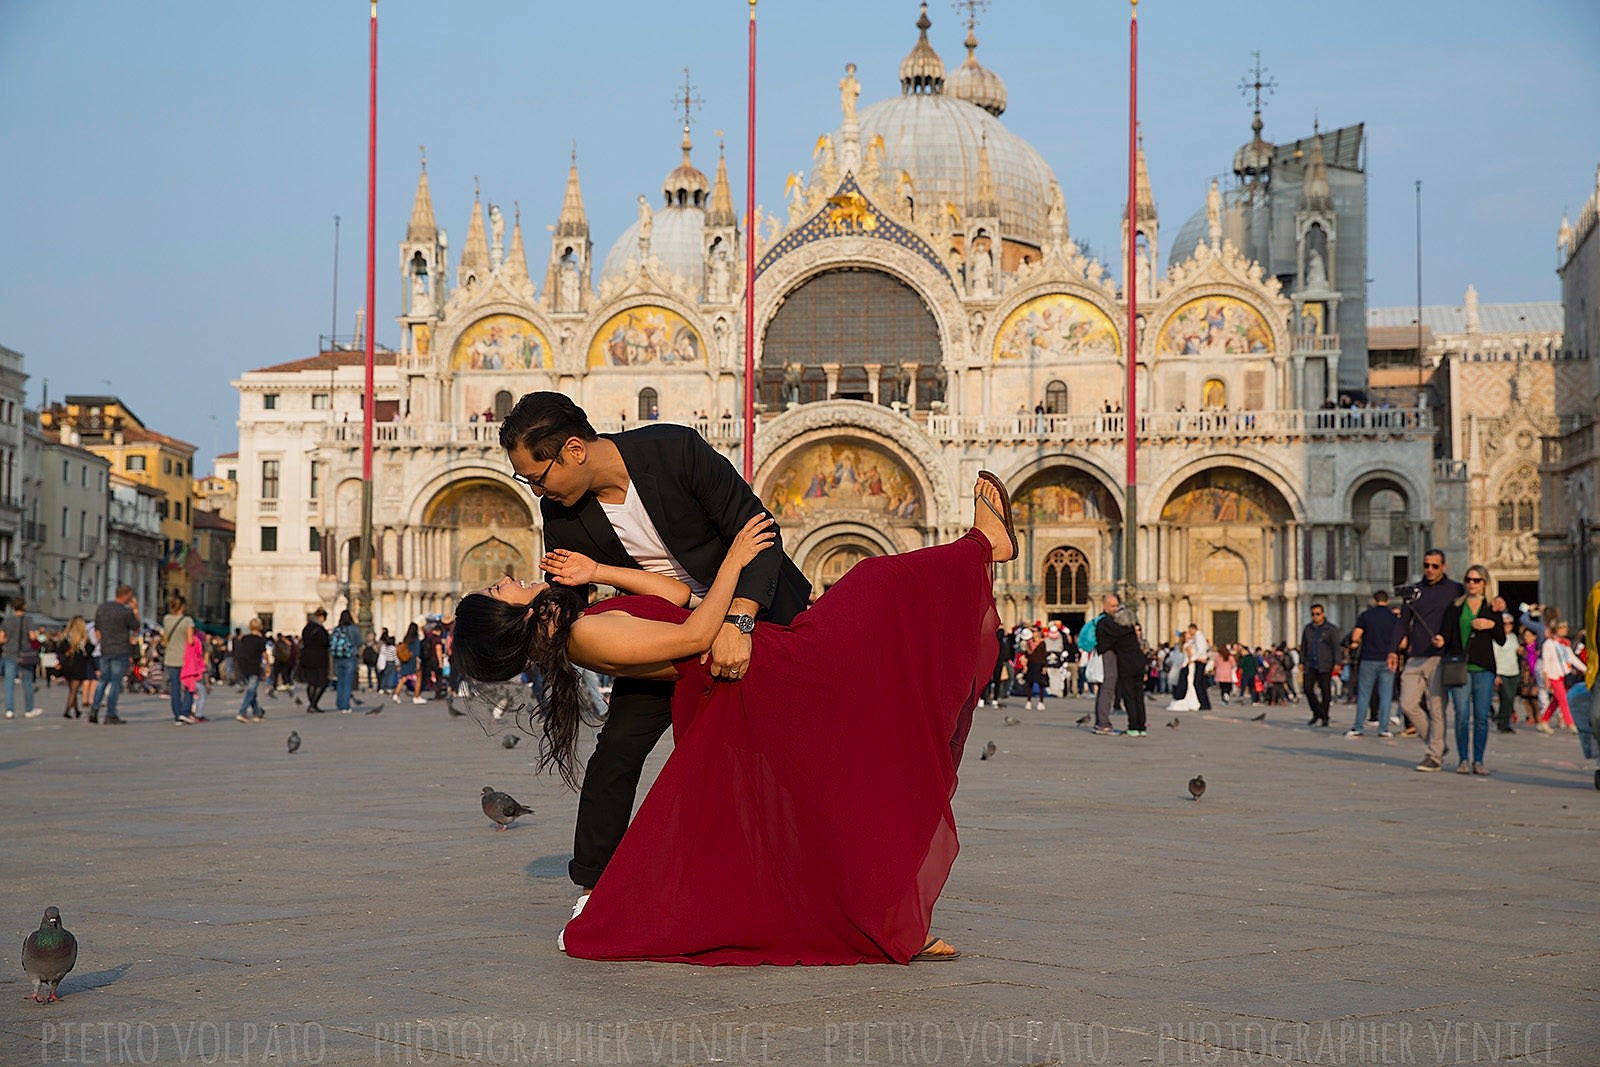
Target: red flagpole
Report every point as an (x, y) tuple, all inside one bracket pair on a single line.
[(364, 600), (750, 224), (1130, 526), (372, 240)]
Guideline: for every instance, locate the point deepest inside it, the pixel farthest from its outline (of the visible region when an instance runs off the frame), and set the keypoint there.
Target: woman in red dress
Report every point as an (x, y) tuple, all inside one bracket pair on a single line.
[(804, 814)]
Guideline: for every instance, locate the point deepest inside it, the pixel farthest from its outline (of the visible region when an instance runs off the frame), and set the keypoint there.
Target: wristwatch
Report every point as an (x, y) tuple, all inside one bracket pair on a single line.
[(745, 623)]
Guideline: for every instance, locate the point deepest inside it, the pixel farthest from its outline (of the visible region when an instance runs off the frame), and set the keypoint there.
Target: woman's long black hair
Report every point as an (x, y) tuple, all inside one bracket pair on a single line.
[(496, 641)]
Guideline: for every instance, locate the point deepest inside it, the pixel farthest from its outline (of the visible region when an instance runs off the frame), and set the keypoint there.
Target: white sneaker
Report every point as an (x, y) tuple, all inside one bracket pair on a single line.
[(419, 700), (34, 714), (11, 714), (577, 910), (397, 698)]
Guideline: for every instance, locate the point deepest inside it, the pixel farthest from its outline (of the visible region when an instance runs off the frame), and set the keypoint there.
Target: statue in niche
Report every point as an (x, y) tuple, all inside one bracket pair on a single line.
[(421, 300), (1214, 214), (1056, 214), (497, 228), (1316, 271), (980, 273), (849, 93), (721, 276), (567, 285)]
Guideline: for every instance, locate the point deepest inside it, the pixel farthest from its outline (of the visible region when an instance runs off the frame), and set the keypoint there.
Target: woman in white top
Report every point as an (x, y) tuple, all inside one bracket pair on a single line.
[(1555, 660)]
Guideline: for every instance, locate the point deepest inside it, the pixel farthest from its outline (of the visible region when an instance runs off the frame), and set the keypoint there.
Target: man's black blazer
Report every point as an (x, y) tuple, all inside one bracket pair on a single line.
[(698, 503)]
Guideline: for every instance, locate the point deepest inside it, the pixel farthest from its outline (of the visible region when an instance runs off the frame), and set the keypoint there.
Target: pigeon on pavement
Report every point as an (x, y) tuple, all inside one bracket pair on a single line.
[(1173, 725), (510, 740), (503, 808), (1012, 720), (1082, 719), (1260, 718), (1197, 786), (988, 751), (48, 954), (294, 741)]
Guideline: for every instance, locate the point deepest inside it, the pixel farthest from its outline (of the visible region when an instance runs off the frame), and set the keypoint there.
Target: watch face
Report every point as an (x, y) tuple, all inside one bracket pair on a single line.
[(745, 623)]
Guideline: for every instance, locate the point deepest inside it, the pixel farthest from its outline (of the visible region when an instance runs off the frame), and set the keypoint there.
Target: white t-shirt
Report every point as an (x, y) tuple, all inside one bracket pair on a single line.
[(642, 540)]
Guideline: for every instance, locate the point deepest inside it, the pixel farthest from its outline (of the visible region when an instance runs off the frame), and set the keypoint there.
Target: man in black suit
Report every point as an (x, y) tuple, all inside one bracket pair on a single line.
[(661, 499)]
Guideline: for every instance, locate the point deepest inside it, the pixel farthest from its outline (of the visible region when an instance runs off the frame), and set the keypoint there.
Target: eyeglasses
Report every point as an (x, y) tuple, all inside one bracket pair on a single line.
[(1433, 566), (537, 483), (1472, 578)]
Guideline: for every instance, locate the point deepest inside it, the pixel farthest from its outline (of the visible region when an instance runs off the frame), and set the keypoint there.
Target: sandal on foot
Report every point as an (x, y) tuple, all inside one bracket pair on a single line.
[(936, 950), (1003, 513)]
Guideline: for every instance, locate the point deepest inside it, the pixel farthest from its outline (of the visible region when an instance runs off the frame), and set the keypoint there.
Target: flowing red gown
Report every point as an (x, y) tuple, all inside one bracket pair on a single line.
[(804, 814)]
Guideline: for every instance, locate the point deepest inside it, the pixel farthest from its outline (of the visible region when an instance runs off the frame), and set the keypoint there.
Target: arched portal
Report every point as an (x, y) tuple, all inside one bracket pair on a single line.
[(1225, 547), (1070, 527), (472, 533)]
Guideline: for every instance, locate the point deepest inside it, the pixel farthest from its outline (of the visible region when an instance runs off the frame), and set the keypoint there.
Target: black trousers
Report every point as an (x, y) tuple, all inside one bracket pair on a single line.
[(640, 713), (1130, 686), (1319, 692)]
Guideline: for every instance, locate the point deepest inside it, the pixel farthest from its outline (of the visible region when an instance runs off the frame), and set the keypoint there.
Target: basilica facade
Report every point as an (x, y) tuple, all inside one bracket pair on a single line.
[(921, 312)]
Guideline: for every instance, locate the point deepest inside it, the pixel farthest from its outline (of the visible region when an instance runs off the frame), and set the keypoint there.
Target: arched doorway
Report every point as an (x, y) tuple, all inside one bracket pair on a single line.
[(1381, 516), (1071, 525), (472, 533), (488, 561), (1225, 539)]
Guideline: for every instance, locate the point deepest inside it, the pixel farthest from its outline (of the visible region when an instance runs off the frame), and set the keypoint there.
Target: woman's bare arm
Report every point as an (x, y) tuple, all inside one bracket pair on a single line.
[(574, 568), (625, 645)]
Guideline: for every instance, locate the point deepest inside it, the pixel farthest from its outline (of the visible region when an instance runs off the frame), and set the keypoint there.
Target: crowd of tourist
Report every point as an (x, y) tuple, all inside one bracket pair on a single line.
[(95, 659), (1439, 644)]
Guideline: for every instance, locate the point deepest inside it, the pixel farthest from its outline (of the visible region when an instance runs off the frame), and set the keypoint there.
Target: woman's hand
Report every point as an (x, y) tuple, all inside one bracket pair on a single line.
[(1484, 624), (567, 567), (753, 539)]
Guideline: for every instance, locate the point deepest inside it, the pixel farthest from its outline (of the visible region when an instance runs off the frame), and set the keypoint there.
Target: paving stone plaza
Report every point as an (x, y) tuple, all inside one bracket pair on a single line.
[(1323, 904)]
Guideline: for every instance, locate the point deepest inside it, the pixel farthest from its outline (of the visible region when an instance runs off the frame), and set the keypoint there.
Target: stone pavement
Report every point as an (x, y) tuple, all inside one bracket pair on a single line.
[(1324, 904)]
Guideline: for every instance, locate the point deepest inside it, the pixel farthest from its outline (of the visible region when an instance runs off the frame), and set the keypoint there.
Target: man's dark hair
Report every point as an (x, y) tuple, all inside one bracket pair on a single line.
[(542, 422), (1434, 552), (1381, 596), (1319, 607)]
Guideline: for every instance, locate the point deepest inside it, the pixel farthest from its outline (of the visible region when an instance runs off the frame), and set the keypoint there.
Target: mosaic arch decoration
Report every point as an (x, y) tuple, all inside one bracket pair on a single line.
[(501, 342), (1225, 496), (843, 475), (646, 335), (1061, 496), (1214, 326), (1056, 326), (479, 504)]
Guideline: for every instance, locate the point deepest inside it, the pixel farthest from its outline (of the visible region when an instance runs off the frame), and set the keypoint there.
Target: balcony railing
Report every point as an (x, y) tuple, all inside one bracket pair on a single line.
[(267, 507), (1316, 343), (487, 434), (1164, 425), (1449, 470), (1340, 422)]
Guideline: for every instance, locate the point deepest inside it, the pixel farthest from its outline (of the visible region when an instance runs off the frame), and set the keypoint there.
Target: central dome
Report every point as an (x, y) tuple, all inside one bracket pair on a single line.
[(936, 138)]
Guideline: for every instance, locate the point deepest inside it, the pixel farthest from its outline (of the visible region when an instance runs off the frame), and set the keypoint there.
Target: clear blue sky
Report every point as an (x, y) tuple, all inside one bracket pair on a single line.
[(173, 167)]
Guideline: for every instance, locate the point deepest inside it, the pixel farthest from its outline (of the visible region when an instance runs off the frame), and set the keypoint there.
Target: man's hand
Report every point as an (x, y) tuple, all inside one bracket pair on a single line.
[(1438, 640), (730, 653), (1392, 661)]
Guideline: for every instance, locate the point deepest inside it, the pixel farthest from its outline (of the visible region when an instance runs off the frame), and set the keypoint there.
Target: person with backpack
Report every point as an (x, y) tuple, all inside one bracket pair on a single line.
[(343, 645), (369, 661), (407, 654)]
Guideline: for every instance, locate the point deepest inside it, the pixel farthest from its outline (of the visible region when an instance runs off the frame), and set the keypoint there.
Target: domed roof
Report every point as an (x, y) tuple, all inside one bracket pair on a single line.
[(922, 71), (936, 139), (677, 238), (677, 229), (976, 83), (936, 136), (1256, 157)]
